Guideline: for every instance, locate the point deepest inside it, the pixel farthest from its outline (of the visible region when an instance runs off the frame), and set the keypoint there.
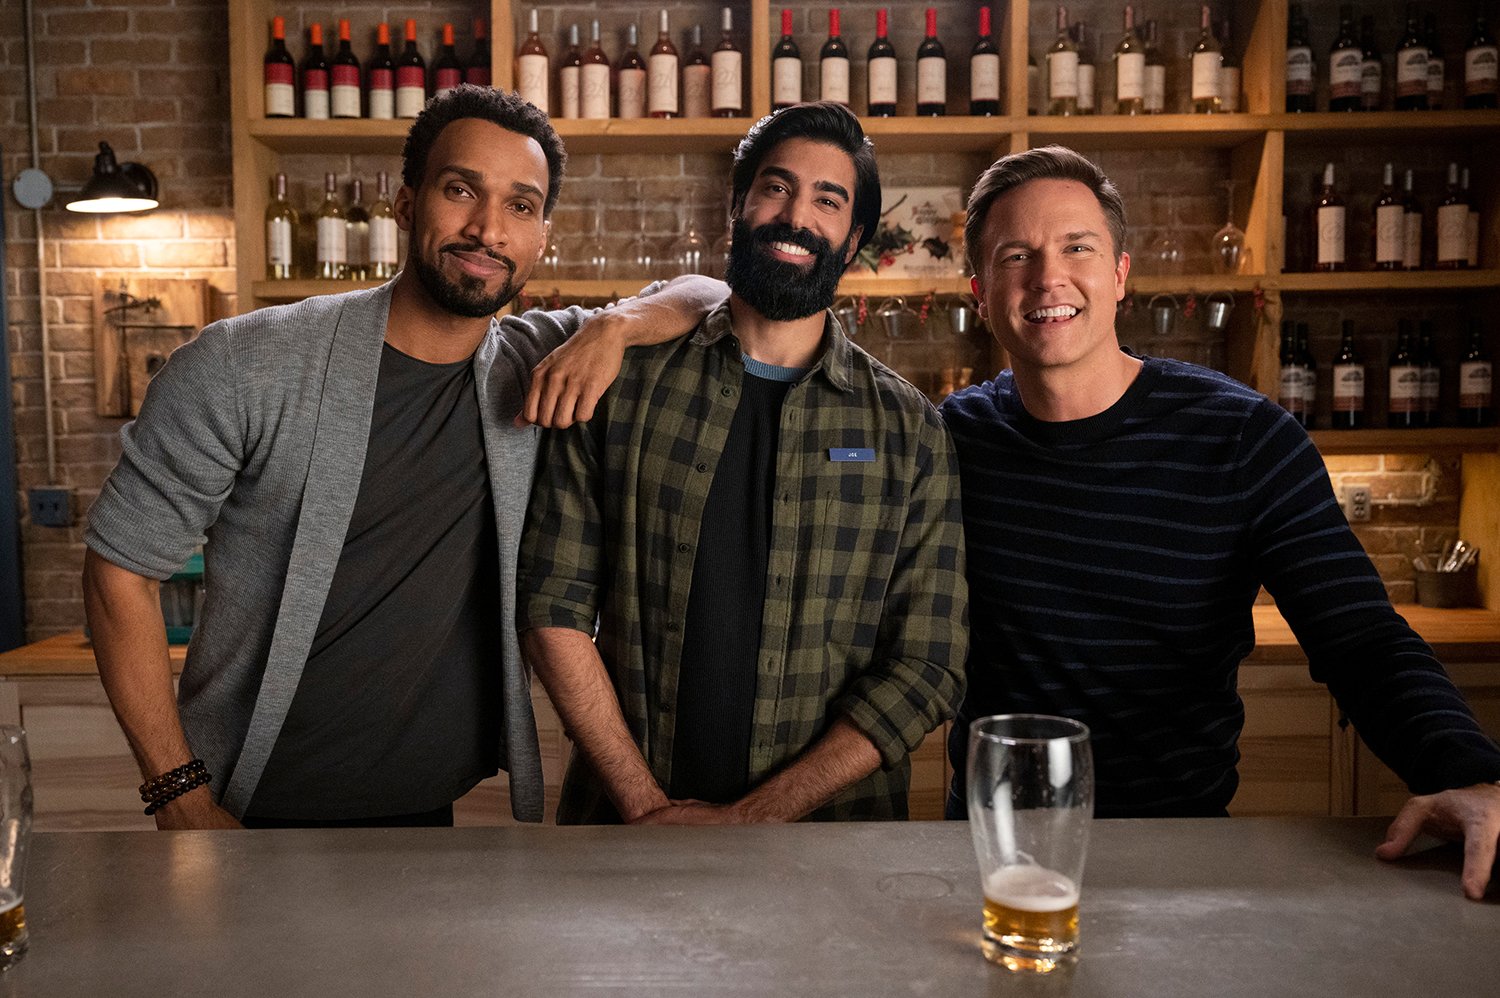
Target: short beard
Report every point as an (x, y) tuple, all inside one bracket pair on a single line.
[(465, 296), (779, 290)]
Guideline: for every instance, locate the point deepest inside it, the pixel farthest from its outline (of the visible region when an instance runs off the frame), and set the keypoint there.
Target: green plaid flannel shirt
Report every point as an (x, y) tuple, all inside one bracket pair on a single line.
[(866, 605)]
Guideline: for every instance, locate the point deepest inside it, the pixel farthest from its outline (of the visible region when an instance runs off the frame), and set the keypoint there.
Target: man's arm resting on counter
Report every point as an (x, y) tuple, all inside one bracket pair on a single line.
[(130, 644), (567, 383), (569, 666)]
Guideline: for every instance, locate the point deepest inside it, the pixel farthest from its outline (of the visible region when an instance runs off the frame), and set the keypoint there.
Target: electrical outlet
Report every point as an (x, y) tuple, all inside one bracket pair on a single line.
[(51, 507), (1357, 503)]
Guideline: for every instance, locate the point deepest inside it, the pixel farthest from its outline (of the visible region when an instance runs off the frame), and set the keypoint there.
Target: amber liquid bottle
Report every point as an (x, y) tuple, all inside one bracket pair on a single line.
[(594, 77), (533, 67), (728, 65), (630, 76), (662, 99)]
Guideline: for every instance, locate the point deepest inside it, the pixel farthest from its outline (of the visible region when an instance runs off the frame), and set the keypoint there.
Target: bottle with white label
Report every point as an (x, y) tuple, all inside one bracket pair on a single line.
[(1206, 59), (384, 251), (1346, 65), (984, 70), (1471, 233), (1481, 67), (1411, 66), (1130, 69), (1329, 220), (833, 64), (1086, 73), (357, 233), (1436, 67), (662, 69), (1476, 382), (1348, 383), (727, 64), (1390, 224), (280, 74), (1062, 69), (1432, 375), (411, 76), (533, 68), (1290, 396), (630, 76), (281, 228), (697, 79), (1156, 73), (880, 66), (1229, 72), (1300, 65), (1411, 256), (593, 78), (1405, 383), (786, 67), (315, 102), (1453, 225), (1309, 369), (1372, 70), (932, 71), (382, 76), (570, 77), (333, 248)]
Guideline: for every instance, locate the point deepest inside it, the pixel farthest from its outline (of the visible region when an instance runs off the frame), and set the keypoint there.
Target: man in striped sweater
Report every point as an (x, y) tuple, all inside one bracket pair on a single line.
[(1121, 514)]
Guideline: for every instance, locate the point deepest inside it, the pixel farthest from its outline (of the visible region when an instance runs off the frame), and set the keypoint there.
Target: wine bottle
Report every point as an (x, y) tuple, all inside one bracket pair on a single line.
[(1206, 60), (881, 70), (1290, 396), (1346, 64), (1300, 66), (932, 71), (570, 77), (1062, 69), (630, 76), (1431, 376), (1476, 382), (1471, 232), (315, 76), (411, 76), (382, 76), (697, 79), (984, 69), (786, 67), (1481, 67), (833, 64), (1390, 224), (383, 238), (1156, 73), (1085, 66), (1348, 383), (1453, 225), (1405, 381), (344, 88), (1330, 225), (280, 74), (1411, 66), (1309, 379), (533, 67), (1130, 69), (1371, 71), (728, 66), (593, 98), (357, 233), (477, 69), (1229, 72), (447, 71), (662, 74), (1411, 253), (333, 248), (1436, 78), (1033, 86), (281, 228)]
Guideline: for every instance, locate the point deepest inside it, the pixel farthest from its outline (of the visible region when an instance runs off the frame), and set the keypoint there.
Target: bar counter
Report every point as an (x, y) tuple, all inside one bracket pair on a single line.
[(1229, 907)]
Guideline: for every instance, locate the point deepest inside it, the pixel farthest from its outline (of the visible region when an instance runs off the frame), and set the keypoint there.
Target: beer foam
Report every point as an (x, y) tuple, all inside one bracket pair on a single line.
[(1031, 888)]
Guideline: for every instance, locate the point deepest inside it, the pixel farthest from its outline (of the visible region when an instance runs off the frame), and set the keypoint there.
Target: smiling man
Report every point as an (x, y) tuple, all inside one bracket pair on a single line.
[(355, 463), (1121, 514), (763, 521)]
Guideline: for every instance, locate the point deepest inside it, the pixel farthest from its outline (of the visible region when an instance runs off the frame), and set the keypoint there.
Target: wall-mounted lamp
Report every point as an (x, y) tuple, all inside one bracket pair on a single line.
[(116, 186)]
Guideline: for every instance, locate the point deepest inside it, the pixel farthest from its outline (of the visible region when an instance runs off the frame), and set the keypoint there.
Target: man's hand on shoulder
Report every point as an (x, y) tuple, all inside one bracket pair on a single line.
[(195, 809), (1470, 815), (568, 382)]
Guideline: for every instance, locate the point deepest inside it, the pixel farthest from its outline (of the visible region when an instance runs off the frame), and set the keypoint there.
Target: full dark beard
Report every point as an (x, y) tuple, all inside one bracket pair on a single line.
[(465, 296), (778, 290)]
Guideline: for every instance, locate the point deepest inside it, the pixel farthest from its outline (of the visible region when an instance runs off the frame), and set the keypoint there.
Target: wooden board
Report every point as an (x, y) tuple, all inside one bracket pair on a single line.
[(131, 343)]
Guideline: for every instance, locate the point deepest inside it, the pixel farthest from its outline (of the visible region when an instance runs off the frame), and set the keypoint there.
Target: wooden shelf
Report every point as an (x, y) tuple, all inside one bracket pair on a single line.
[(275, 292), (1195, 284), (344, 135), (1117, 131), (1389, 280), (1395, 126), (1388, 441)]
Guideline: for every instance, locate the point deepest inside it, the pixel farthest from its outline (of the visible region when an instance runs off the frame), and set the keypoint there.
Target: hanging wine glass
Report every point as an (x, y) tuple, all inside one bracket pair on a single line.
[(1166, 252), (718, 251), (594, 262), (689, 254), (641, 255), (1229, 255)]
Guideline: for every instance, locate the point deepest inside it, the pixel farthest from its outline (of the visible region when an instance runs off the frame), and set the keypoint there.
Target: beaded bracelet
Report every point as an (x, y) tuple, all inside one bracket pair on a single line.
[(160, 791)]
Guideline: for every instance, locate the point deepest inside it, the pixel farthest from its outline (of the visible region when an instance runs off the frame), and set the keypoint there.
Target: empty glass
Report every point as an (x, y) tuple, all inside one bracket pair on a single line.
[(1228, 254), (594, 260)]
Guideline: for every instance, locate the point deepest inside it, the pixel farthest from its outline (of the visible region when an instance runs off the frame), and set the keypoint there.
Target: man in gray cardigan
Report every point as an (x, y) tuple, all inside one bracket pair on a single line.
[(359, 466)]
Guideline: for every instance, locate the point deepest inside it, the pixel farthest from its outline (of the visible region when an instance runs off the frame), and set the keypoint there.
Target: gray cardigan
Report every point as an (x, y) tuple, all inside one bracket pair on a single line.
[(253, 437)]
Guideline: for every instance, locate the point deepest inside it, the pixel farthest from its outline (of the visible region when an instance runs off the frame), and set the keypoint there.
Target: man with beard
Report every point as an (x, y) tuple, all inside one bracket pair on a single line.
[(764, 522), (360, 469)]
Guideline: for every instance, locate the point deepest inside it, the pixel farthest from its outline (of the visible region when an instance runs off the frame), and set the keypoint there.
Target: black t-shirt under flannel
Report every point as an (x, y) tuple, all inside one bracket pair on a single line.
[(399, 704)]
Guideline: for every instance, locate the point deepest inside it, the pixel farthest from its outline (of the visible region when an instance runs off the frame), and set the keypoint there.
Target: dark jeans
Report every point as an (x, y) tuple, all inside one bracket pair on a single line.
[(440, 818)]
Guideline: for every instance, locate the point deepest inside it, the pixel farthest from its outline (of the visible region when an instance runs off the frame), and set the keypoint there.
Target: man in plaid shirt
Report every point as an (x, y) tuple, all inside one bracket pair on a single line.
[(764, 522)]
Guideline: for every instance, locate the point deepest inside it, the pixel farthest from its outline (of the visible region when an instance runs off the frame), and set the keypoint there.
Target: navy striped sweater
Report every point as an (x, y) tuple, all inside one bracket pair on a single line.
[(1113, 562)]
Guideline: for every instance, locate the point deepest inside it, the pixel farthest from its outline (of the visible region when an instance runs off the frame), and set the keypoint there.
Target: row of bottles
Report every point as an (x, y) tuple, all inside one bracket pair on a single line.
[(349, 240), (1357, 73), (1414, 378), (383, 87), (1396, 220)]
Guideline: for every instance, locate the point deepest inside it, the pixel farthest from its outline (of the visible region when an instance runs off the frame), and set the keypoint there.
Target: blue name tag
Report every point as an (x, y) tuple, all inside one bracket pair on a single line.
[(865, 454)]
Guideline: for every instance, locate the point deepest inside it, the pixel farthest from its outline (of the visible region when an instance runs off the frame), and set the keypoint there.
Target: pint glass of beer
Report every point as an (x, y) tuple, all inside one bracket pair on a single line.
[(15, 837), (1031, 797)]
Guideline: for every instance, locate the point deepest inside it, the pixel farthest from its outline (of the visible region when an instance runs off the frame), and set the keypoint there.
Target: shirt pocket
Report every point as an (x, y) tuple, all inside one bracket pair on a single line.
[(861, 513)]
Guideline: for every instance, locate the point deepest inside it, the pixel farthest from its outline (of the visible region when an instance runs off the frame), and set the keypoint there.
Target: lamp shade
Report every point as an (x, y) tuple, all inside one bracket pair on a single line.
[(116, 186)]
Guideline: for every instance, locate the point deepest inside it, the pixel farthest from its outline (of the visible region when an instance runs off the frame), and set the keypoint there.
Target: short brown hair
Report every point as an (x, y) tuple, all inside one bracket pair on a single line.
[(1046, 163)]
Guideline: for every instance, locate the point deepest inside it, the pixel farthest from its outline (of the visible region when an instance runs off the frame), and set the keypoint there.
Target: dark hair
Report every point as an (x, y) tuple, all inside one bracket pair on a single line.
[(820, 121), (1046, 163), (508, 110)]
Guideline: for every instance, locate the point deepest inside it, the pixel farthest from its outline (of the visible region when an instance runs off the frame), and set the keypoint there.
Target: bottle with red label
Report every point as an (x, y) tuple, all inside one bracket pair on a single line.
[(280, 74), (411, 76), (382, 76), (477, 69), (345, 91), (447, 71), (315, 76)]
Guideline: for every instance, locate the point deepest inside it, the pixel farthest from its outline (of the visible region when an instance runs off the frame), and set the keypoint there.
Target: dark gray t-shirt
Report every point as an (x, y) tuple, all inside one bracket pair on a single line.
[(398, 708)]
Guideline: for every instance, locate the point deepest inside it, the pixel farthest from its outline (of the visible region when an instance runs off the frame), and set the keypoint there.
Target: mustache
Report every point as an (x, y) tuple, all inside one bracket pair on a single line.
[(780, 232), (478, 248)]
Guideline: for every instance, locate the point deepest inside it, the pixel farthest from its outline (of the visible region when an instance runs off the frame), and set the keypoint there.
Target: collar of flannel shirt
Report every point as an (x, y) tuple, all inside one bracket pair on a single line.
[(838, 353)]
